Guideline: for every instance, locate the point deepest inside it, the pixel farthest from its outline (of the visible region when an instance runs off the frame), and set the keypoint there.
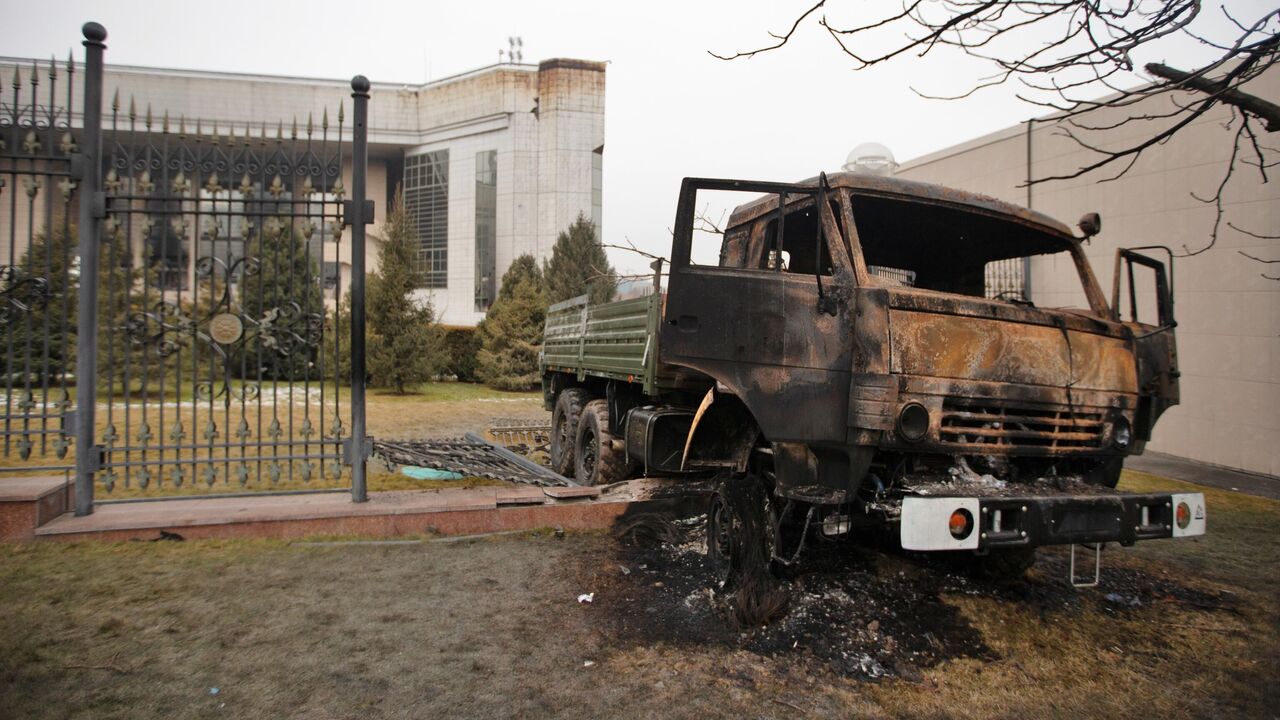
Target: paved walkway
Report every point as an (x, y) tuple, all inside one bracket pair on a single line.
[(1203, 474)]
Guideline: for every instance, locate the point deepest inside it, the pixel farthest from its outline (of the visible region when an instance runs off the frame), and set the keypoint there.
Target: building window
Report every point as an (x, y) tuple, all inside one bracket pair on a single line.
[(331, 275), (486, 227), (426, 198), (597, 191)]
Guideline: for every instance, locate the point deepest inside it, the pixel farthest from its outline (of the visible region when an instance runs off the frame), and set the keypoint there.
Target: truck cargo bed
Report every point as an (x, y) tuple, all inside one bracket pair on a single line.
[(616, 340)]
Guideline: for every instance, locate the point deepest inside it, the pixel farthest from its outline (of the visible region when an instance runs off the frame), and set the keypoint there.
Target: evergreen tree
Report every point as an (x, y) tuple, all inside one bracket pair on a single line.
[(511, 333), (579, 266), (284, 295), (43, 282), (405, 346)]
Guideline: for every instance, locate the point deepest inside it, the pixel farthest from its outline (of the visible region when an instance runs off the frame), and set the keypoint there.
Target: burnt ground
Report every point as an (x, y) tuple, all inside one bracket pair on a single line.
[(491, 627), (856, 608)]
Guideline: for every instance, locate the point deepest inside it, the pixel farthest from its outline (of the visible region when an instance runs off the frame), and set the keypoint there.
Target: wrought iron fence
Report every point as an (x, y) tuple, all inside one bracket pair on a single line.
[(214, 311), (38, 266), (184, 313)]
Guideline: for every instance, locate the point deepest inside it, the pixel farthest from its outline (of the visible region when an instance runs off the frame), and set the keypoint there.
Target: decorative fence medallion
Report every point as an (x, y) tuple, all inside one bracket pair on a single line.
[(226, 328)]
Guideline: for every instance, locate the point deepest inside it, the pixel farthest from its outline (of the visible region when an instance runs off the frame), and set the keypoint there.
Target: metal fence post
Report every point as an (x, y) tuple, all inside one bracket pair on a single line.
[(361, 214), (92, 208)]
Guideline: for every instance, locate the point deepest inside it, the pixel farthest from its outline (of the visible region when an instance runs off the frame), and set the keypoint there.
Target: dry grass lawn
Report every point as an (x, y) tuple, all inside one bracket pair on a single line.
[(491, 628)]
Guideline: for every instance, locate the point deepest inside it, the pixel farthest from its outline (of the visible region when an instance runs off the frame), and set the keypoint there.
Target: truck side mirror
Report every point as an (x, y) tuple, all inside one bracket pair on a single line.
[(1090, 224)]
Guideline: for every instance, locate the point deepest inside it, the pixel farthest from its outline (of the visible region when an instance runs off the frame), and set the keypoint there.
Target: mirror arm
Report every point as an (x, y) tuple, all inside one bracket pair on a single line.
[(826, 303)]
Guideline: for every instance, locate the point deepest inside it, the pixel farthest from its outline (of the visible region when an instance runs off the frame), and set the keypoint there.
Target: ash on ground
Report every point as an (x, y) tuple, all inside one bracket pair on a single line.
[(860, 610)]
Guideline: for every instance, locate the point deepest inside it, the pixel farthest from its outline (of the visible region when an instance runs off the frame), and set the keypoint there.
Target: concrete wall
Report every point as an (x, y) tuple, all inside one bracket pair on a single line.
[(1228, 315)]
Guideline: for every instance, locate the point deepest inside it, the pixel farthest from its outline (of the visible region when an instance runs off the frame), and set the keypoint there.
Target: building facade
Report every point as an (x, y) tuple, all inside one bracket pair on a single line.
[(493, 163), (1228, 314)]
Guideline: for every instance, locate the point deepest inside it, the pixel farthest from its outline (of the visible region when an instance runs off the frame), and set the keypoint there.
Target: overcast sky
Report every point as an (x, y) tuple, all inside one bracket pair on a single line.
[(672, 109)]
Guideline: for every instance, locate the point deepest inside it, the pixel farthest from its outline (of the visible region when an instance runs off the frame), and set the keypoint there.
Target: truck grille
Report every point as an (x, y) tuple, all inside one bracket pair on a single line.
[(1011, 427)]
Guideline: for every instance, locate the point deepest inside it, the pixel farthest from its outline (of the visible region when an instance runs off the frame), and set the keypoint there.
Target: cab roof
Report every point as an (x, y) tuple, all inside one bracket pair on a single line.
[(910, 190)]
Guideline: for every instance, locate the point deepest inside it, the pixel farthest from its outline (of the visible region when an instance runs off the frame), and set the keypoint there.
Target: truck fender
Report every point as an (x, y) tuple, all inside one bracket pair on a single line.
[(726, 430), (707, 399)]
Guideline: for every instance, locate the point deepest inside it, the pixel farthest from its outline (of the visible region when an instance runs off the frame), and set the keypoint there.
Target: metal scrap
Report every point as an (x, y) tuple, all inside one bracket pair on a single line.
[(471, 456), (524, 436)]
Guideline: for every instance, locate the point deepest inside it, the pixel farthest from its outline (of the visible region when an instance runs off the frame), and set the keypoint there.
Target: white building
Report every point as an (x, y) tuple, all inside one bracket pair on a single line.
[(1228, 314), (494, 162)]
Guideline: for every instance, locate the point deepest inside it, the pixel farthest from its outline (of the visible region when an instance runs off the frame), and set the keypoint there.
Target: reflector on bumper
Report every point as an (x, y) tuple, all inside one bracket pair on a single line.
[(1192, 522), (926, 523), (930, 523)]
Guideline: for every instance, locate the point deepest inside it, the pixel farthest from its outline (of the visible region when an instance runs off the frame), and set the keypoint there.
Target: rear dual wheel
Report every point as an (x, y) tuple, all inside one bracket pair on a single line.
[(564, 429), (599, 458)]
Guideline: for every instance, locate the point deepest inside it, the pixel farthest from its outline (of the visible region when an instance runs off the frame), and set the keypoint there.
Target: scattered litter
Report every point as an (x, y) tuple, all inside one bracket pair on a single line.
[(1118, 599), (559, 533), (586, 597), (624, 569), (214, 691), (426, 473), (588, 663)]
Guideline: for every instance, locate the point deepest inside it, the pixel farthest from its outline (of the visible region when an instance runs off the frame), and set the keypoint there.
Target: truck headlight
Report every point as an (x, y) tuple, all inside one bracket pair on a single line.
[(1122, 434), (913, 422)]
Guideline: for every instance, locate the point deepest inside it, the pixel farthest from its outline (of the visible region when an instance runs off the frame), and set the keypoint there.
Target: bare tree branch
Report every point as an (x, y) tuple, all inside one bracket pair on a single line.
[(1252, 104)]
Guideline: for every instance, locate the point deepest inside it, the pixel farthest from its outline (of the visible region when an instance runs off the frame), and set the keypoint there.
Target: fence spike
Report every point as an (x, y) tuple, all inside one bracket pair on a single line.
[(310, 125), (279, 131), (147, 121), (164, 126), (53, 67), (324, 118), (341, 105), (293, 131), (71, 63), (115, 102), (182, 126), (35, 76), (133, 108), (17, 78)]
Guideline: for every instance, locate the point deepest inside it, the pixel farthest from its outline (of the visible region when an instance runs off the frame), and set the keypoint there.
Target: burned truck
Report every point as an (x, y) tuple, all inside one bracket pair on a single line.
[(840, 353)]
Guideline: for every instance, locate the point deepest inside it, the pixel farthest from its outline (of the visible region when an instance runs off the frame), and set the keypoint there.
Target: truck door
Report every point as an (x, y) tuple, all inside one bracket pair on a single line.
[(1149, 303), (751, 303)]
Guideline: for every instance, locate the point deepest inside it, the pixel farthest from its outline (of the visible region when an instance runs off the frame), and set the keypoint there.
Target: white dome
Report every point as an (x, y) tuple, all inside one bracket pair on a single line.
[(871, 158)]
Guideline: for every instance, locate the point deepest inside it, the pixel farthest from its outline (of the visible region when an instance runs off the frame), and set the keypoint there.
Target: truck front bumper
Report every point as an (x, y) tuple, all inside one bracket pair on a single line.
[(986, 523)]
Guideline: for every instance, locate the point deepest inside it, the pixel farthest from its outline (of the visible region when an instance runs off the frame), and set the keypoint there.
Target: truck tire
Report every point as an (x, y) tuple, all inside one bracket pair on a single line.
[(737, 532), (564, 429), (596, 460)]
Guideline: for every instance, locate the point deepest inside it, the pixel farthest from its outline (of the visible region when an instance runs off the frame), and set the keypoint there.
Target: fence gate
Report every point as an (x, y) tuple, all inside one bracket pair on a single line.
[(211, 346)]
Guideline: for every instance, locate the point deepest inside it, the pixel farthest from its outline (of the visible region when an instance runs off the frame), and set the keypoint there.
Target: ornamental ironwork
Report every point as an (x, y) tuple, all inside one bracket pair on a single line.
[(38, 273)]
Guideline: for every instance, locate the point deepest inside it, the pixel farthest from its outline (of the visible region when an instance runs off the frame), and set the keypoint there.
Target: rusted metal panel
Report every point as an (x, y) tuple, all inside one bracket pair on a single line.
[(949, 346)]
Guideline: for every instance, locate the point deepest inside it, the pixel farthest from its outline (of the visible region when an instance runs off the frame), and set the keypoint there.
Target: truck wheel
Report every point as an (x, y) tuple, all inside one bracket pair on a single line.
[(737, 544), (564, 429), (597, 461)]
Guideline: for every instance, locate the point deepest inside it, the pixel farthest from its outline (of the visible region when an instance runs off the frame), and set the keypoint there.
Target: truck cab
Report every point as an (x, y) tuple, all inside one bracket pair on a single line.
[(867, 350)]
